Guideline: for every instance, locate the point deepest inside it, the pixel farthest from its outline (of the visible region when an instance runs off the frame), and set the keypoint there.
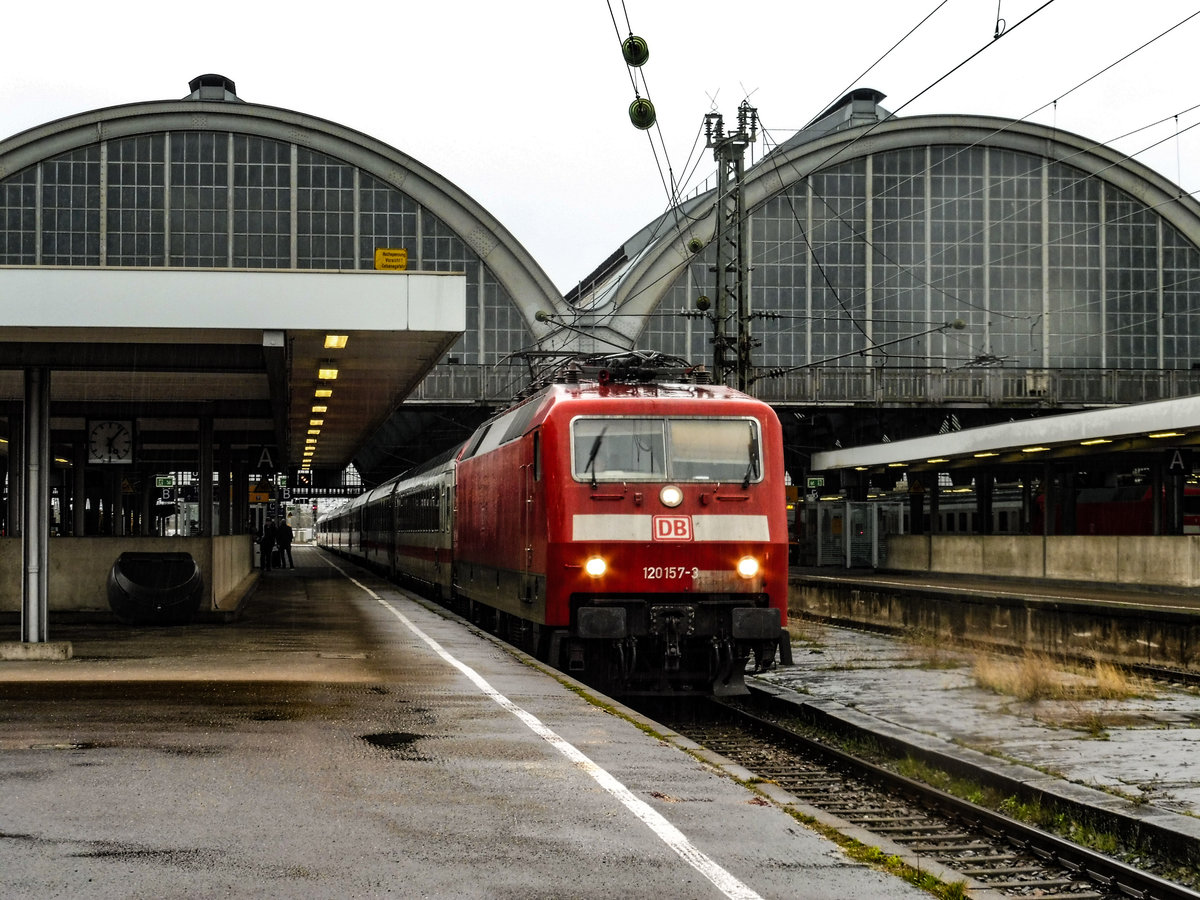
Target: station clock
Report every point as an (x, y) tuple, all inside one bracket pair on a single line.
[(110, 441)]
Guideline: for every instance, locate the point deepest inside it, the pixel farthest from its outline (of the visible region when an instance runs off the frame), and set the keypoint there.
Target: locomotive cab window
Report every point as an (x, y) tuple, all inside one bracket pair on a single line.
[(664, 449), (704, 450), (620, 449)]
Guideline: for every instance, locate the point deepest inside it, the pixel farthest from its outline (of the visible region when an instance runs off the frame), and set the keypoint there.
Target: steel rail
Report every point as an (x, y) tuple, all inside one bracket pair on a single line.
[(1097, 867)]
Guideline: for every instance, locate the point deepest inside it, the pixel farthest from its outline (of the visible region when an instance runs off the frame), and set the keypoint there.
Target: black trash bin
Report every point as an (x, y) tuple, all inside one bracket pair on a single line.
[(155, 588)]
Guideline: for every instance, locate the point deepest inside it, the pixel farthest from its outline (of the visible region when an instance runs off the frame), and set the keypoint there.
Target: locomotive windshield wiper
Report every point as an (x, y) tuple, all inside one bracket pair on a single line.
[(591, 463), (751, 469)]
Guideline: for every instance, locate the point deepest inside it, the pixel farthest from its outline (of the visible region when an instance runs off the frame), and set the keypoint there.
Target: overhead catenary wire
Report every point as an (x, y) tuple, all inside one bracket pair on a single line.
[(673, 214), (673, 191), (935, 286), (1044, 5), (842, 149), (824, 163), (1063, 189), (863, 74), (635, 73)]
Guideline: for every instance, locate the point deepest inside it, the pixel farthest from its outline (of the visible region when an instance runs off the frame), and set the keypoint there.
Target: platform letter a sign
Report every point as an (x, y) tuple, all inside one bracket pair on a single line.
[(265, 462)]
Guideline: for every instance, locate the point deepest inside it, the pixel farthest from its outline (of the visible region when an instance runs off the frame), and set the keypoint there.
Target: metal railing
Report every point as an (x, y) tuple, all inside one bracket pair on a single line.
[(471, 384), (861, 385), (977, 387)]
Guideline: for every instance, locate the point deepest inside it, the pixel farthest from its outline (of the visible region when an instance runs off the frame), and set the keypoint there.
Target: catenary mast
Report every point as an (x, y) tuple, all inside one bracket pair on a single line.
[(732, 287)]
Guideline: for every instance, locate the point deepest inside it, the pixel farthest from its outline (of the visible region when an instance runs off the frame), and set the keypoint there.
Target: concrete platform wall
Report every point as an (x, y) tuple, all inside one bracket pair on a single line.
[(79, 568), (1125, 636), (1168, 561)]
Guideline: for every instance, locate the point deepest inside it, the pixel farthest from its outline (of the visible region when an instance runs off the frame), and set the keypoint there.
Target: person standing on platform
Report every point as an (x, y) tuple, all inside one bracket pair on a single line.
[(284, 537), (266, 544)]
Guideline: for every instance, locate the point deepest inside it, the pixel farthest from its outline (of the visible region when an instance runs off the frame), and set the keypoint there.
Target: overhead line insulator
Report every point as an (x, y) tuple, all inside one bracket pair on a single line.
[(635, 50), (641, 113)]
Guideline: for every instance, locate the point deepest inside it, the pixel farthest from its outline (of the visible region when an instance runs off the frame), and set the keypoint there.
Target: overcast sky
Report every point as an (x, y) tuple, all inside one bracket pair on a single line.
[(523, 104)]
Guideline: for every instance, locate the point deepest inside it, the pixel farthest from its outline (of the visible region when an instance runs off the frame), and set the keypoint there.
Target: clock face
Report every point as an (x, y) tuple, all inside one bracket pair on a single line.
[(110, 441)]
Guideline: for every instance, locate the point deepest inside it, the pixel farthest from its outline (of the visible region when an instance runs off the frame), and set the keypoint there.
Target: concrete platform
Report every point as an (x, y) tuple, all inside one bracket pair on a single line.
[(1124, 625), (42, 650), (341, 739)]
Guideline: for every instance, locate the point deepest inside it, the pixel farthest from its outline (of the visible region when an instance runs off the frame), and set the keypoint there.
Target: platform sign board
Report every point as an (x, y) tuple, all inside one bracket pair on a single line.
[(394, 258)]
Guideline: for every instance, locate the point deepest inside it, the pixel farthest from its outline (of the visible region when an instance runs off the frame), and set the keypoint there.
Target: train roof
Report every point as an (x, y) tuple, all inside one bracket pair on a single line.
[(604, 385), (629, 374), (651, 391)]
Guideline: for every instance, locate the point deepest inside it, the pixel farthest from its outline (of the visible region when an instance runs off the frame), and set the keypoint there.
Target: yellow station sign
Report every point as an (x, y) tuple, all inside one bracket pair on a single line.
[(391, 258)]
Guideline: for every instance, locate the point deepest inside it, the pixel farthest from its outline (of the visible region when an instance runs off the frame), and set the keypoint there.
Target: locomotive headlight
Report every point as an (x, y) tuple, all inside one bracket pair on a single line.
[(595, 566), (747, 566), (670, 495)]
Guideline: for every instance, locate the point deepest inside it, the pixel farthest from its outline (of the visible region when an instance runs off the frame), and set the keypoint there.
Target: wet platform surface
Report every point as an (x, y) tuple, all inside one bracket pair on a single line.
[(341, 739)]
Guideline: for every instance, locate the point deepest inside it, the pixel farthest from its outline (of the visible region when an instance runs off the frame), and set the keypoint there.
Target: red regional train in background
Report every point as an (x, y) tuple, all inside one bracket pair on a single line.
[(626, 527), (1128, 509)]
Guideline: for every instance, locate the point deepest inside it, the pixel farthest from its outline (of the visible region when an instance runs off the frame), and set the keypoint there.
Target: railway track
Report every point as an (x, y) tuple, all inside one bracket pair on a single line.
[(997, 853)]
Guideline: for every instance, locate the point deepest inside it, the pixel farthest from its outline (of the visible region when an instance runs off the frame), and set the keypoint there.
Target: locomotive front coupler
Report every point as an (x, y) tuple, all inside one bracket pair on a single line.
[(672, 624)]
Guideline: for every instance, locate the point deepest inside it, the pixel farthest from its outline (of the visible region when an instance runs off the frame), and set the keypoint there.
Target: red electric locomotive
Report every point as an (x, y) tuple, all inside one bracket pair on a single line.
[(629, 530)]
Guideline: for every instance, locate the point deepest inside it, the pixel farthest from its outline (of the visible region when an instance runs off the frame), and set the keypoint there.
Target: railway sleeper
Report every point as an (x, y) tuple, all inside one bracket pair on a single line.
[(993, 871)]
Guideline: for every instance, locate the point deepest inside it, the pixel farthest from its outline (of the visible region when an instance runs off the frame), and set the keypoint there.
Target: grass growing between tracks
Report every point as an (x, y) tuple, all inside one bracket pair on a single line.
[(893, 865), (808, 634), (1031, 812), (931, 651), (1050, 818), (1036, 676)]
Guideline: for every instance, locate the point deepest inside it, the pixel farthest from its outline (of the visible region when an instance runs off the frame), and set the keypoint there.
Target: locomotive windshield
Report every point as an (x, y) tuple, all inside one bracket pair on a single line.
[(664, 449)]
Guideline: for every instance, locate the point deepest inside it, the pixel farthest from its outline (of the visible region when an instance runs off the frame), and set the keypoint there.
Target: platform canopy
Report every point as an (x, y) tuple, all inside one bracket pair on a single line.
[(1143, 428), (247, 349)]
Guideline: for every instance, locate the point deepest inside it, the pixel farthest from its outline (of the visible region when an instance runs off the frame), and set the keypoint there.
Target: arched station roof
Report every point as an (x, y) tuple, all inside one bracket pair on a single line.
[(660, 270), (212, 182), (202, 111), (650, 273)]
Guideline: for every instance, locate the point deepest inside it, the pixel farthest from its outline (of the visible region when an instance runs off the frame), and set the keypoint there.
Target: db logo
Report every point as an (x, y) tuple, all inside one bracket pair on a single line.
[(672, 528)]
